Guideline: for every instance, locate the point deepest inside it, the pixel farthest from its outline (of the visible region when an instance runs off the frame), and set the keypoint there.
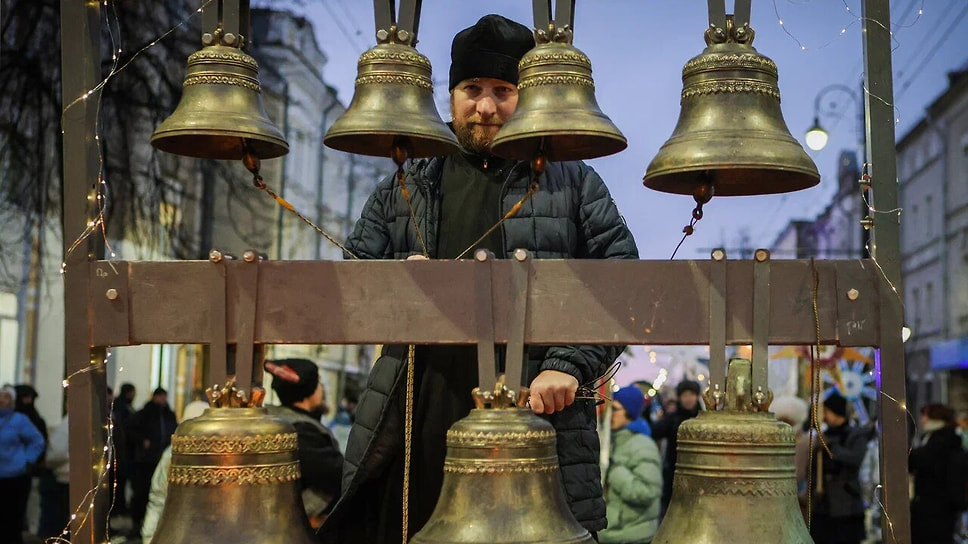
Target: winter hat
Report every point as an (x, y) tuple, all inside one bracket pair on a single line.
[(688, 385), (9, 389), (491, 48), (632, 399), (836, 404), (24, 390), (939, 412), (293, 379), (790, 409)]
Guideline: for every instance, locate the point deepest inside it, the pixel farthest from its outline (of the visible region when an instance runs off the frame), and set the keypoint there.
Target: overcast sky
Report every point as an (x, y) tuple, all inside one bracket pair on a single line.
[(637, 49)]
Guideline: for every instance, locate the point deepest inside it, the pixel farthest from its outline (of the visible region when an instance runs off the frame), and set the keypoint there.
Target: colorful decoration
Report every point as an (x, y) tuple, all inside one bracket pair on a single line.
[(854, 384)]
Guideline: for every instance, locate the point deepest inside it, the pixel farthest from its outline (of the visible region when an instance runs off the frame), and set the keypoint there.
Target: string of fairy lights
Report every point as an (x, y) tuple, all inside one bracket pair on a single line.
[(98, 200)]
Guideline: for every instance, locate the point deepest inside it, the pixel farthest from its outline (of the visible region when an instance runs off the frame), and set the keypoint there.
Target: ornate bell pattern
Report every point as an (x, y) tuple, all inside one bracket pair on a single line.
[(557, 114), (234, 477), (734, 479), (501, 466), (731, 135), (221, 111), (393, 104)]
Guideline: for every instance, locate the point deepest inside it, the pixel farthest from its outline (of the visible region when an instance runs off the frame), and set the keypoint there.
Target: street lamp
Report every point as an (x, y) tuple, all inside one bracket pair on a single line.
[(817, 137)]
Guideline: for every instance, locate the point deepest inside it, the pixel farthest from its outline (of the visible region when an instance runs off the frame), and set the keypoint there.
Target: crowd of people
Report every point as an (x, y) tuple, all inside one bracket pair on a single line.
[(33, 461)]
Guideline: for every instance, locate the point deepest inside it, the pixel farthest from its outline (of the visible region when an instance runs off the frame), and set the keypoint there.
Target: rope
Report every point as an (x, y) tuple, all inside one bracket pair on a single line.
[(408, 442)]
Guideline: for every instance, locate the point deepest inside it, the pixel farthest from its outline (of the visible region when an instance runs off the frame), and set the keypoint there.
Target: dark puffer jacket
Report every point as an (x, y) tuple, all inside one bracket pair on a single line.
[(571, 216)]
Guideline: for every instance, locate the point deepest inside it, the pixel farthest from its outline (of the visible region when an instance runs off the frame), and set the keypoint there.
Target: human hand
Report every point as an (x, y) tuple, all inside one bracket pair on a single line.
[(146, 443), (418, 258), (551, 391)]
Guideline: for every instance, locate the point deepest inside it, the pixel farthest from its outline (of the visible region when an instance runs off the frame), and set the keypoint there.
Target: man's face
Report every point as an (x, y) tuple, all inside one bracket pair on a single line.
[(317, 401), (689, 400), (479, 107), (160, 399)]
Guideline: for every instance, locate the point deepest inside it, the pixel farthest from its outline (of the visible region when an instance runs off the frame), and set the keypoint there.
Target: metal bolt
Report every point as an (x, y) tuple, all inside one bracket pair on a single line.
[(111, 294), (853, 294), (215, 256), (520, 255), (481, 255), (208, 39), (403, 36), (250, 256), (719, 254), (229, 38), (761, 255), (867, 223), (382, 35)]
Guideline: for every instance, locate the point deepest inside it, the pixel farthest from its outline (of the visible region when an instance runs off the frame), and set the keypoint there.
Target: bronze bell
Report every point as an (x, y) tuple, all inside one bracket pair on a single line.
[(501, 483), (731, 137), (234, 478), (734, 479), (557, 114), (221, 109), (393, 104)]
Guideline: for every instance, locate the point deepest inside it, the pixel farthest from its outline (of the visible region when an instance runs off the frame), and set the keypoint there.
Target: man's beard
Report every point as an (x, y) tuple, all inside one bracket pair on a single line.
[(476, 141)]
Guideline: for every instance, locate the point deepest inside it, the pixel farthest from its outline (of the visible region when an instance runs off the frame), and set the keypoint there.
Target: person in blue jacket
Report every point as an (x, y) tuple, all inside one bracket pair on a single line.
[(21, 445)]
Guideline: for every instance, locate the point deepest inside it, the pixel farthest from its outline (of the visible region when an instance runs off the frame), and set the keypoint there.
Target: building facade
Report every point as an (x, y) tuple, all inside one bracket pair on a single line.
[(933, 177), (211, 204)]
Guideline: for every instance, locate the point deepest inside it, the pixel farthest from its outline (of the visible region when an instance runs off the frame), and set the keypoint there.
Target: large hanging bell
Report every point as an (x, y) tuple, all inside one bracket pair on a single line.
[(501, 484), (731, 136), (734, 479), (234, 478), (221, 111), (393, 104), (557, 114)]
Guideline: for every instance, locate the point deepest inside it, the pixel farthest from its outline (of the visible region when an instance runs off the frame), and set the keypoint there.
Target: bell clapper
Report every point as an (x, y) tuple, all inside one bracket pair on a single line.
[(703, 193)]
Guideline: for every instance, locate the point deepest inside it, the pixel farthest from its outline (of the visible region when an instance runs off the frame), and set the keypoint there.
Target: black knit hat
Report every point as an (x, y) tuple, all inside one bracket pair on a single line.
[(836, 404), (491, 48), (688, 385), (293, 379)]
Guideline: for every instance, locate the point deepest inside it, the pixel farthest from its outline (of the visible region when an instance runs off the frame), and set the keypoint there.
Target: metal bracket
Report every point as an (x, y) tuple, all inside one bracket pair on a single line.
[(246, 310), (218, 349), (486, 364), (761, 328), (717, 329), (558, 29), (397, 27), (517, 321)]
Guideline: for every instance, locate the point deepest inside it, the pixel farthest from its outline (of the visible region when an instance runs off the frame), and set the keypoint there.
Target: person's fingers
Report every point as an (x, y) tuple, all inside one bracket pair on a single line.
[(417, 258), (569, 397), (560, 399), (537, 405)]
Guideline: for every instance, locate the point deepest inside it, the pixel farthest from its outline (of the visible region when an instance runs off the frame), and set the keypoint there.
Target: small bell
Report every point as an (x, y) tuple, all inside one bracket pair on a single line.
[(735, 475), (557, 114), (501, 481), (392, 113), (234, 477), (221, 109), (731, 138)]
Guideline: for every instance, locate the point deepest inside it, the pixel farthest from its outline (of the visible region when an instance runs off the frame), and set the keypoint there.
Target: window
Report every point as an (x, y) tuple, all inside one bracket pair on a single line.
[(929, 317), (928, 218)]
